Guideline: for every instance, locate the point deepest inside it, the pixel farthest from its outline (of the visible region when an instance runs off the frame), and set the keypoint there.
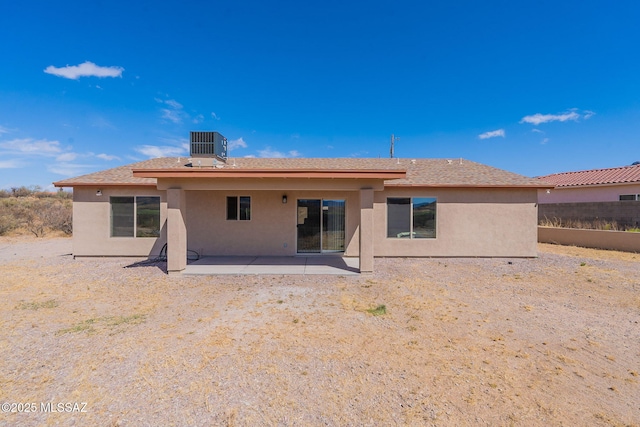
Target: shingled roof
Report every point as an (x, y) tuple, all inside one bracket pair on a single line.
[(619, 175), (419, 172)]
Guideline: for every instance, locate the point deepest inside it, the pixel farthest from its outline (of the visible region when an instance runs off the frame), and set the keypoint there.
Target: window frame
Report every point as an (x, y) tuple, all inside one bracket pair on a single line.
[(135, 218), (239, 212), (411, 234), (636, 197)]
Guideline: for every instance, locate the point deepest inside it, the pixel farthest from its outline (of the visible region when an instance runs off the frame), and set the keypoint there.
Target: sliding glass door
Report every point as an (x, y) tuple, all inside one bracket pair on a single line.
[(321, 225)]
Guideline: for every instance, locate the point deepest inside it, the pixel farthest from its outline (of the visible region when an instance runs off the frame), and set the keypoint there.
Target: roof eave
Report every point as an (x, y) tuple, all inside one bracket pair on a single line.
[(384, 174), (60, 184), (531, 186)]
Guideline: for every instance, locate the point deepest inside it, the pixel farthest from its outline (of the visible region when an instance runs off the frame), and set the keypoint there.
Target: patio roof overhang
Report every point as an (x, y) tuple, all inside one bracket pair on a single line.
[(383, 174)]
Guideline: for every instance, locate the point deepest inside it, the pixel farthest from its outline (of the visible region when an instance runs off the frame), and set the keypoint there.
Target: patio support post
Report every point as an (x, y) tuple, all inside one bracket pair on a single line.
[(176, 231), (366, 230)]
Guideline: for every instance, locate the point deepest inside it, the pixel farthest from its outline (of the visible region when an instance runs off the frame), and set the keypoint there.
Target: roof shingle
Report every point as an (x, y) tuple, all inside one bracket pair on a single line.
[(420, 172)]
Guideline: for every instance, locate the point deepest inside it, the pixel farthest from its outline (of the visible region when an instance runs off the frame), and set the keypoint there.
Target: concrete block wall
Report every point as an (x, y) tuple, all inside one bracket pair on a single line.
[(623, 213)]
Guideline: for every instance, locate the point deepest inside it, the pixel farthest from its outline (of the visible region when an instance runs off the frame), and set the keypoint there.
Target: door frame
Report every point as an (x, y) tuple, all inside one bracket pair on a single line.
[(321, 251)]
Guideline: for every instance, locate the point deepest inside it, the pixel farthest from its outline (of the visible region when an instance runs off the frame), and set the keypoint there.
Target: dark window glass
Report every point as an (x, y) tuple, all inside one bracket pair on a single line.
[(424, 217), (624, 197), (147, 216), (232, 208), (122, 212), (245, 208), (399, 217)]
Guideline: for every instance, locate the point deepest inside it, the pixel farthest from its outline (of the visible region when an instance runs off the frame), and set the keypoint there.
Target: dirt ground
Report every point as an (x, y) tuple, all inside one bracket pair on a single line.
[(534, 342)]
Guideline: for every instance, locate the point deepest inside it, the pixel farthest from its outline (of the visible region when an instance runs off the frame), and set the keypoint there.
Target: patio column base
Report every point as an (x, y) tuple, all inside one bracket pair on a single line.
[(176, 231)]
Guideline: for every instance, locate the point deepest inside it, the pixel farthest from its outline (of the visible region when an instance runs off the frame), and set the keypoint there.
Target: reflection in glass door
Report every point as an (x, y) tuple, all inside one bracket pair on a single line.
[(308, 225), (321, 225), (333, 225)]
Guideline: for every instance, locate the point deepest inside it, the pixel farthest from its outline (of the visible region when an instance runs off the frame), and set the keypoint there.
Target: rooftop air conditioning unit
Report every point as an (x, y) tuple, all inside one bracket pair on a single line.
[(208, 144)]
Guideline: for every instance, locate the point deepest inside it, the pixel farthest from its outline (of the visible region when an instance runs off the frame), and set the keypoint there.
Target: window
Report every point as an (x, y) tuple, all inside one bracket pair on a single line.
[(135, 216), (411, 218), (625, 197), (239, 208)]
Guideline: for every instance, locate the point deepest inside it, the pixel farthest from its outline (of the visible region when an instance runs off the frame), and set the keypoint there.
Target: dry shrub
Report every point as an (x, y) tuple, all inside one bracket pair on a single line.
[(36, 215), (595, 224)]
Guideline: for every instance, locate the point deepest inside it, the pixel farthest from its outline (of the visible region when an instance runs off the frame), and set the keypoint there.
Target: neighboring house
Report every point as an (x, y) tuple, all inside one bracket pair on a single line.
[(595, 185), (593, 196), (353, 207)]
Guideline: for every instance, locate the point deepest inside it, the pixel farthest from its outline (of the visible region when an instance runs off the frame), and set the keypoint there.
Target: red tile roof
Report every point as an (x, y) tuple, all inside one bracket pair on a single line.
[(619, 175), (419, 172)]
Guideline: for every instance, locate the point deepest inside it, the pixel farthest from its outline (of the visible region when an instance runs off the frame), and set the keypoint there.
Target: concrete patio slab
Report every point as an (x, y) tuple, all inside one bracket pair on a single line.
[(263, 265)]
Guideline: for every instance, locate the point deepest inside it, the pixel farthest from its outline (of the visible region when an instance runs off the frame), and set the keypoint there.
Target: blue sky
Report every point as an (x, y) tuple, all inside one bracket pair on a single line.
[(531, 87)]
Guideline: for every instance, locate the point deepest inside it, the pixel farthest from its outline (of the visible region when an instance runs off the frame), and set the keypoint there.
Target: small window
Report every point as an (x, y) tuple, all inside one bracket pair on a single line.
[(625, 197), (122, 216), (411, 218), (239, 208), (135, 216), (398, 217), (147, 216)]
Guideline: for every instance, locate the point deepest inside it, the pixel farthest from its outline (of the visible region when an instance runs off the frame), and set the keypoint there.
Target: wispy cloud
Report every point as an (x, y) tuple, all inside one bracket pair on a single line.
[(361, 153), (69, 169), (172, 115), (66, 157), (107, 157), (10, 164), (214, 116), (537, 131), (236, 143), (175, 111), (544, 141), (570, 115), (161, 151), (86, 69), (3, 130), (198, 119), (492, 134), (101, 123), (41, 147), (269, 153), (173, 104), (58, 159)]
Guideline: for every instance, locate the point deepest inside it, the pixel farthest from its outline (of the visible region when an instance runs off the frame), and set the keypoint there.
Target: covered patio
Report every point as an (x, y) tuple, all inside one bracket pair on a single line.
[(267, 237), (276, 265)]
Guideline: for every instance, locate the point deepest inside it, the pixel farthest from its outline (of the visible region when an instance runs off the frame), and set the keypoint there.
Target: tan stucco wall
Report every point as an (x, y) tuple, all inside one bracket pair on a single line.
[(592, 193), (600, 239), (469, 222), (272, 228), (91, 224)]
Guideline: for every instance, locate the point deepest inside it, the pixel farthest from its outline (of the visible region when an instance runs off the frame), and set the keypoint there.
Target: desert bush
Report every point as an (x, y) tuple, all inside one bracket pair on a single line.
[(22, 191), (58, 216), (596, 224), (7, 223), (64, 195), (36, 215)]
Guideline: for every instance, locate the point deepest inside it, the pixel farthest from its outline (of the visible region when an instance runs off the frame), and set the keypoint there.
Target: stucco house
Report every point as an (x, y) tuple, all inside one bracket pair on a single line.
[(594, 185), (595, 196), (354, 207)]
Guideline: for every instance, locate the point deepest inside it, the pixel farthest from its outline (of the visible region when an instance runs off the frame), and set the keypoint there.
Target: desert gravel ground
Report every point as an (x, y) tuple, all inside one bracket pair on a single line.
[(534, 342)]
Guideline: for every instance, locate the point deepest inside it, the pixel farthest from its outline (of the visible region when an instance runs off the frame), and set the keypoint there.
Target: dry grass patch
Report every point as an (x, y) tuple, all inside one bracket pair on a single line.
[(466, 342)]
